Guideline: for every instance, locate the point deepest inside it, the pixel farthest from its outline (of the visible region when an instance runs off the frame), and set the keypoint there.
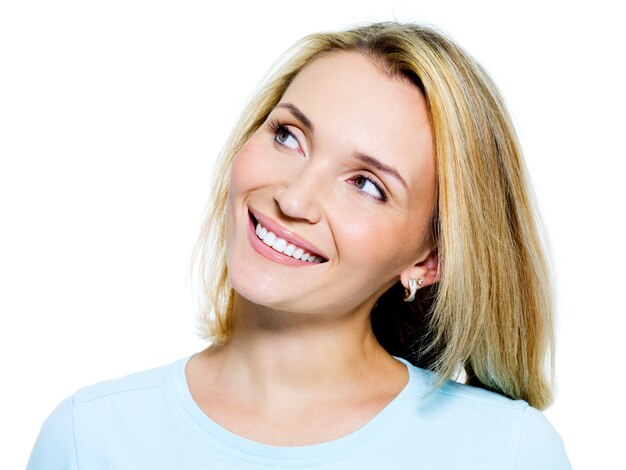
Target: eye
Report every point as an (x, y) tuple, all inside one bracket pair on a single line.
[(283, 136), (369, 187)]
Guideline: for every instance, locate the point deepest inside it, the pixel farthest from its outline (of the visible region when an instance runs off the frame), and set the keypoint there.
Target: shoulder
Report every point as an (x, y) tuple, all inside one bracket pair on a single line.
[(128, 384), (458, 396), (97, 409), (511, 428), (474, 394), (55, 446), (540, 443), (131, 399), (467, 411)]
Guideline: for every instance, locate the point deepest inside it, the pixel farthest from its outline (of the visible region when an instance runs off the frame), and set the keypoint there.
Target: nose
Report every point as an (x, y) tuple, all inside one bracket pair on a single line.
[(299, 199)]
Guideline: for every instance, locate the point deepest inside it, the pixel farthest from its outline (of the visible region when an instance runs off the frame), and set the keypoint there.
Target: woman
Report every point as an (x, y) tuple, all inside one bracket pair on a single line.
[(373, 160)]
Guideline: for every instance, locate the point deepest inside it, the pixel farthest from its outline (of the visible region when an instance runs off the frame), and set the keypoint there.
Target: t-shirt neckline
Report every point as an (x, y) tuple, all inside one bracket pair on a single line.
[(238, 446)]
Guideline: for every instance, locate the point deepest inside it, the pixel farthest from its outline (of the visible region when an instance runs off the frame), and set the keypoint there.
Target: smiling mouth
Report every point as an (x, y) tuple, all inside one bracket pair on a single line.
[(280, 245)]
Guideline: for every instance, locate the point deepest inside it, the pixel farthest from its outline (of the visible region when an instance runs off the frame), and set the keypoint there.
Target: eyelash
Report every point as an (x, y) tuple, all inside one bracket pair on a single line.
[(276, 127), (383, 193)]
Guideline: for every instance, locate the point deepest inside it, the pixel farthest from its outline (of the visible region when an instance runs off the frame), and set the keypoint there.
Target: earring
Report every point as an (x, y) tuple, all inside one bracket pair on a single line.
[(414, 284)]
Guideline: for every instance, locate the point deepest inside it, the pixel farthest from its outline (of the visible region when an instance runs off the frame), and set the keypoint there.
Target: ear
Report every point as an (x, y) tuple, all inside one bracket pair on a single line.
[(426, 269)]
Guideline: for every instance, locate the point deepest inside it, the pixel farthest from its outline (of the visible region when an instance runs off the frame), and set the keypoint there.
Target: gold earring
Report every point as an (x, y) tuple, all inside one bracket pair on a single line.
[(414, 284)]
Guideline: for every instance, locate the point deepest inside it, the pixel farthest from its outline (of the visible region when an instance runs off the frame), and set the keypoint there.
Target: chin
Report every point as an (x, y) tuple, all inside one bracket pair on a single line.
[(258, 293), (249, 283), (265, 293)]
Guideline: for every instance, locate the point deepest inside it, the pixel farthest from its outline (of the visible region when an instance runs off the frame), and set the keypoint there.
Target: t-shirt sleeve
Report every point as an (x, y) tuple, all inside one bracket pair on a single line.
[(541, 447), (55, 447)]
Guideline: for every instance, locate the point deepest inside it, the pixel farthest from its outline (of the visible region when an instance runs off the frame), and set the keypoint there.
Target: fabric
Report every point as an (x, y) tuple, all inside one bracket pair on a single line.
[(149, 420)]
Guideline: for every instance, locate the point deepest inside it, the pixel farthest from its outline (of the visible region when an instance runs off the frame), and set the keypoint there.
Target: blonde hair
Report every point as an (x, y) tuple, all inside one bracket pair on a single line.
[(491, 311)]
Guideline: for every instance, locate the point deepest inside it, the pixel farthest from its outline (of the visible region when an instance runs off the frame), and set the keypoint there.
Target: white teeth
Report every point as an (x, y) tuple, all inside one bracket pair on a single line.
[(269, 238), (260, 231), (281, 245)]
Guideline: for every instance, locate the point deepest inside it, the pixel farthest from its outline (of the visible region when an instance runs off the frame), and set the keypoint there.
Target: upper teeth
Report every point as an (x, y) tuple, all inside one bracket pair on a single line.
[(280, 245)]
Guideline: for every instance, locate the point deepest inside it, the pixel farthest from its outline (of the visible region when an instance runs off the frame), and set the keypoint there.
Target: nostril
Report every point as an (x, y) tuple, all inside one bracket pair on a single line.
[(297, 203)]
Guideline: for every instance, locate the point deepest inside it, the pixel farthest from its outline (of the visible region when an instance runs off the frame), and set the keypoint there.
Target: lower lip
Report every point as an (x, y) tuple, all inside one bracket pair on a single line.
[(271, 253)]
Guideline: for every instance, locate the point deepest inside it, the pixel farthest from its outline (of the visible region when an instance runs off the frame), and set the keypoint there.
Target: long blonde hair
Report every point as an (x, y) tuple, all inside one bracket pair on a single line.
[(492, 310)]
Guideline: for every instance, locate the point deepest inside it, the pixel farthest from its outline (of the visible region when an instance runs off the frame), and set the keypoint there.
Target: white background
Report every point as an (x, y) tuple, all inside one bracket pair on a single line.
[(111, 114)]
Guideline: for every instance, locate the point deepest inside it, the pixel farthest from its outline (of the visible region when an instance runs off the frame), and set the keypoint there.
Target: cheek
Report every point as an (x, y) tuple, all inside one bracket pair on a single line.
[(365, 241), (242, 180), (385, 247), (251, 167)]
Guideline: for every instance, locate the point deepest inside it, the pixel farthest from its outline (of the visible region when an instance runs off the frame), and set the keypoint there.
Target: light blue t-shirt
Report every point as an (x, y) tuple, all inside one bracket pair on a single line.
[(149, 420)]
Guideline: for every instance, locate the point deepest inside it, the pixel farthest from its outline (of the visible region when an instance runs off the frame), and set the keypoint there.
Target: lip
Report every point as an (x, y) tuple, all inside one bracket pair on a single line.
[(284, 233)]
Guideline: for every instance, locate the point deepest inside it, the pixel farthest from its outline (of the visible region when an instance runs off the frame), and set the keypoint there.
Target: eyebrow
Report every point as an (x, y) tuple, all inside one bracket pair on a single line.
[(367, 159), (298, 114), (380, 166)]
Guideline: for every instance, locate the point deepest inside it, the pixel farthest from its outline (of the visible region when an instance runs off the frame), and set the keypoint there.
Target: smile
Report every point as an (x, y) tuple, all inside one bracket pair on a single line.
[(280, 244)]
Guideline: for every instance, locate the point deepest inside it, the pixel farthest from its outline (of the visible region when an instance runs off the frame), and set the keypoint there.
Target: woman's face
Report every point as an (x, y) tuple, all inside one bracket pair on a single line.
[(343, 167)]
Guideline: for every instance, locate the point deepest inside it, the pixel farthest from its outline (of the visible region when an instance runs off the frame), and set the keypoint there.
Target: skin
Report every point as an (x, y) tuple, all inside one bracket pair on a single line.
[(302, 348)]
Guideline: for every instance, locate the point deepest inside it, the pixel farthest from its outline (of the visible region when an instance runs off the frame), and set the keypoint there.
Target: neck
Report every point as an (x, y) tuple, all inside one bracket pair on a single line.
[(295, 379), (301, 348), (273, 354)]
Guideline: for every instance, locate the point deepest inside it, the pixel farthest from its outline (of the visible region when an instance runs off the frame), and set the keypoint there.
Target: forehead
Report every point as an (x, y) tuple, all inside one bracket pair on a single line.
[(355, 106)]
